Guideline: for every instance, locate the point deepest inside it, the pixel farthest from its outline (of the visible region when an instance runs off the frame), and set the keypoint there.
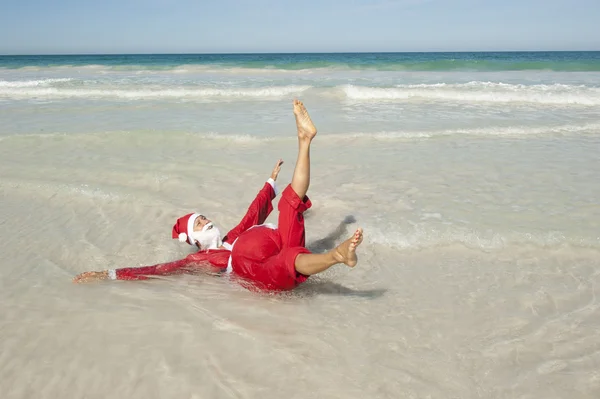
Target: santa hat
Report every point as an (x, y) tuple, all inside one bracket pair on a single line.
[(184, 227)]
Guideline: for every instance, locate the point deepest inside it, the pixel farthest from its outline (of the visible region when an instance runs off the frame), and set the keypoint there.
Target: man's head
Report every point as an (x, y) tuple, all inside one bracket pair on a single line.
[(196, 229)]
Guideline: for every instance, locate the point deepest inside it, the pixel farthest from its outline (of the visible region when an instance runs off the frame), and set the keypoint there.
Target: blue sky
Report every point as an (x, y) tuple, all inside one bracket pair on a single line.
[(175, 26)]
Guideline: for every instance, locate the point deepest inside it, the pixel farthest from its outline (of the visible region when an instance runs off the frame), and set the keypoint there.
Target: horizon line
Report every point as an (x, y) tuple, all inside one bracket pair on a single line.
[(292, 52)]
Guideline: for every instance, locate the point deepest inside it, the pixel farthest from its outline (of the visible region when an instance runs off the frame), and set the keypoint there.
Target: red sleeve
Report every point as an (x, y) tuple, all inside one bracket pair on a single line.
[(142, 273), (216, 258), (257, 213)]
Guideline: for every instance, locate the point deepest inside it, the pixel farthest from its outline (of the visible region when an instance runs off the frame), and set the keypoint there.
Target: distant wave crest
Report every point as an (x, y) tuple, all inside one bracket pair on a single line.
[(149, 93), (32, 83), (472, 92), (555, 94)]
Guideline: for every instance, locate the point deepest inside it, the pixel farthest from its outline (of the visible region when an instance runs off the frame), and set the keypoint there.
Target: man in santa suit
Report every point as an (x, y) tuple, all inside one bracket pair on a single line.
[(265, 256)]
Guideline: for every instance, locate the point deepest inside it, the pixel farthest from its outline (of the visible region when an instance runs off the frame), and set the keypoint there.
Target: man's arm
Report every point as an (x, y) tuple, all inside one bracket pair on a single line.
[(259, 209), (210, 260), (135, 273)]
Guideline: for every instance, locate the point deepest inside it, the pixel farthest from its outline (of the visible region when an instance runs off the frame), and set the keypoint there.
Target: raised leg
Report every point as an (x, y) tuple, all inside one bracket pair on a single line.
[(294, 201), (306, 132)]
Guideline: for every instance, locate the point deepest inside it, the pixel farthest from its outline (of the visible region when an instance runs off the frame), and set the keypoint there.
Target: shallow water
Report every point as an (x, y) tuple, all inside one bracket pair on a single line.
[(477, 278)]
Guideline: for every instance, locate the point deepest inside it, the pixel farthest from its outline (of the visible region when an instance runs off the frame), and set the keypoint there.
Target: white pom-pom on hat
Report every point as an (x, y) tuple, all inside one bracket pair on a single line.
[(184, 227)]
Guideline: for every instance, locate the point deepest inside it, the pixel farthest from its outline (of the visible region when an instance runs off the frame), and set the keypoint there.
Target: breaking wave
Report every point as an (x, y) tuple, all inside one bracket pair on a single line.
[(32, 83), (555, 94), (148, 93)]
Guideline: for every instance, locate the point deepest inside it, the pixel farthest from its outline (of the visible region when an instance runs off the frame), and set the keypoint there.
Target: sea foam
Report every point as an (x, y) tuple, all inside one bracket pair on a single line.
[(147, 93), (32, 83), (554, 94)]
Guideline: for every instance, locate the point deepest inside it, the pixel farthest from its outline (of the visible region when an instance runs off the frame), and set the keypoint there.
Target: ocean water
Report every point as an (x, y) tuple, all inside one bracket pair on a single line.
[(476, 178)]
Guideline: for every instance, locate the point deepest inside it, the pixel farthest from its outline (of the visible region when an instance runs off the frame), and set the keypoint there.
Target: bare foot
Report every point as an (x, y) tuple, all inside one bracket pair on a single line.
[(306, 128), (90, 276), (346, 251)]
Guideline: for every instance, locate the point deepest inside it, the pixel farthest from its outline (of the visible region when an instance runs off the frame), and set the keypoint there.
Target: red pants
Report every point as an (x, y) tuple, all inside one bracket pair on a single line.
[(257, 213), (267, 256)]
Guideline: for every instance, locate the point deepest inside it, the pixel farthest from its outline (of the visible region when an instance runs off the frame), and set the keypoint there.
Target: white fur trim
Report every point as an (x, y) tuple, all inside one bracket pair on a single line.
[(267, 225), (112, 274), (182, 237), (229, 266), (190, 227), (227, 246), (272, 183)]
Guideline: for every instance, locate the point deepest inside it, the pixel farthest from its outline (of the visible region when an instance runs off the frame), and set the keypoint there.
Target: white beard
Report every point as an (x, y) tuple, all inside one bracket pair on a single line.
[(209, 237)]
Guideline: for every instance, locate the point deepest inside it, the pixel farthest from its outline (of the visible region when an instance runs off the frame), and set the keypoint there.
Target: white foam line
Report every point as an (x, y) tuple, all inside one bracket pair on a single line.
[(152, 94), (491, 131), (32, 83), (557, 94), (432, 238), (514, 131)]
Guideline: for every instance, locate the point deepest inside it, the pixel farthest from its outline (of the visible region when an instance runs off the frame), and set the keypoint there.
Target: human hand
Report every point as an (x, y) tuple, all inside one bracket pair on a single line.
[(276, 169), (91, 276)]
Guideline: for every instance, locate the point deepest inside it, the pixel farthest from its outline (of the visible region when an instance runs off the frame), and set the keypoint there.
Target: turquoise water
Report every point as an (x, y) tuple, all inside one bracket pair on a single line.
[(390, 94), (474, 61)]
